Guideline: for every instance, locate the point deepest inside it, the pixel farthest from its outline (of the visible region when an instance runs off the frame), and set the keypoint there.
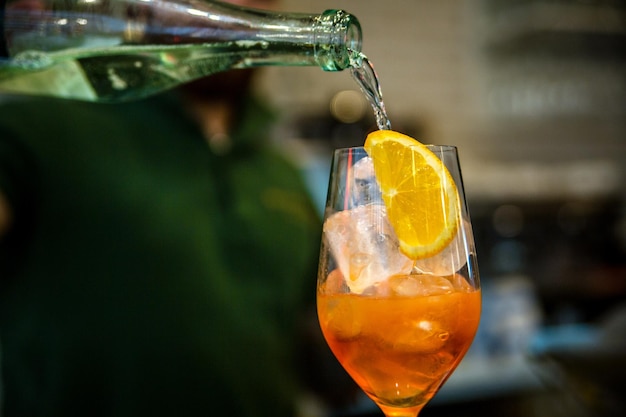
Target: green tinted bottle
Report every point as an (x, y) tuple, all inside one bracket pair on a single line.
[(115, 50)]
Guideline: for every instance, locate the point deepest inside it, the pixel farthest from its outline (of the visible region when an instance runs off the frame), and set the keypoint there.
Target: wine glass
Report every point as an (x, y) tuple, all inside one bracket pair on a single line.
[(398, 326)]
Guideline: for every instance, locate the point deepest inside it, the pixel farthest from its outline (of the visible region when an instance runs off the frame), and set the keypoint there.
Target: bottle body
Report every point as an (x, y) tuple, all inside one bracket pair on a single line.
[(126, 49)]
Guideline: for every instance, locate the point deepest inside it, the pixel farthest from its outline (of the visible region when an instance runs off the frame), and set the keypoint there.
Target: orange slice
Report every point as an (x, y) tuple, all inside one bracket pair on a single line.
[(420, 195)]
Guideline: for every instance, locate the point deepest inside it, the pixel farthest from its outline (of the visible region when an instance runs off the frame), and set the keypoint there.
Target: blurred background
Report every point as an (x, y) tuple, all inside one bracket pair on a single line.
[(533, 93)]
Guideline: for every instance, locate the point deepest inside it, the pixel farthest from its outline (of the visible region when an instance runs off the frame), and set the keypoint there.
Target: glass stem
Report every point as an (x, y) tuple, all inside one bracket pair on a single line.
[(401, 412)]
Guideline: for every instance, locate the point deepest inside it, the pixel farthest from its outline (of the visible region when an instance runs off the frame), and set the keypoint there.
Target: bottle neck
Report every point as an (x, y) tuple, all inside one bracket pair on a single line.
[(327, 40)]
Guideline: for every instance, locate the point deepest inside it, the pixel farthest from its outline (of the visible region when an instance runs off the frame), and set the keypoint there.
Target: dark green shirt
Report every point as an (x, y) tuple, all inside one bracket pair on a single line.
[(143, 274)]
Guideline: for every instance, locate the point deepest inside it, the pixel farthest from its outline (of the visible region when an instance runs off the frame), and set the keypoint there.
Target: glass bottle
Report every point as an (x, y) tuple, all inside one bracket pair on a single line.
[(115, 50)]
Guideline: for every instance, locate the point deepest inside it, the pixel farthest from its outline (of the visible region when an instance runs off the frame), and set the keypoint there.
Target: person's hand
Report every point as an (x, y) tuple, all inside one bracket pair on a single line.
[(5, 215)]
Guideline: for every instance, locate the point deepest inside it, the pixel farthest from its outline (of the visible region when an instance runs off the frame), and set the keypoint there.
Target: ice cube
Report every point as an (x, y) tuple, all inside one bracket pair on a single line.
[(365, 247), (364, 188), (461, 284), (432, 367), (424, 335), (451, 259), (335, 283), (343, 320), (420, 285)]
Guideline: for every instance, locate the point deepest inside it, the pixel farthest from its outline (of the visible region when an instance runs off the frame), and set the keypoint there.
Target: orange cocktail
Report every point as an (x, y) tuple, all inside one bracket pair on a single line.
[(398, 292), (400, 348)]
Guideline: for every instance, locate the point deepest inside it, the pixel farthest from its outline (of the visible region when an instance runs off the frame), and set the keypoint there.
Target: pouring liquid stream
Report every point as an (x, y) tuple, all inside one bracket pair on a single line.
[(367, 80)]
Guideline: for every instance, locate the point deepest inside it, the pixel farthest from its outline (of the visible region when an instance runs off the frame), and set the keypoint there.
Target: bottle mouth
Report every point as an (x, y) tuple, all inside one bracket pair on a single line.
[(338, 40), (354, 36)]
